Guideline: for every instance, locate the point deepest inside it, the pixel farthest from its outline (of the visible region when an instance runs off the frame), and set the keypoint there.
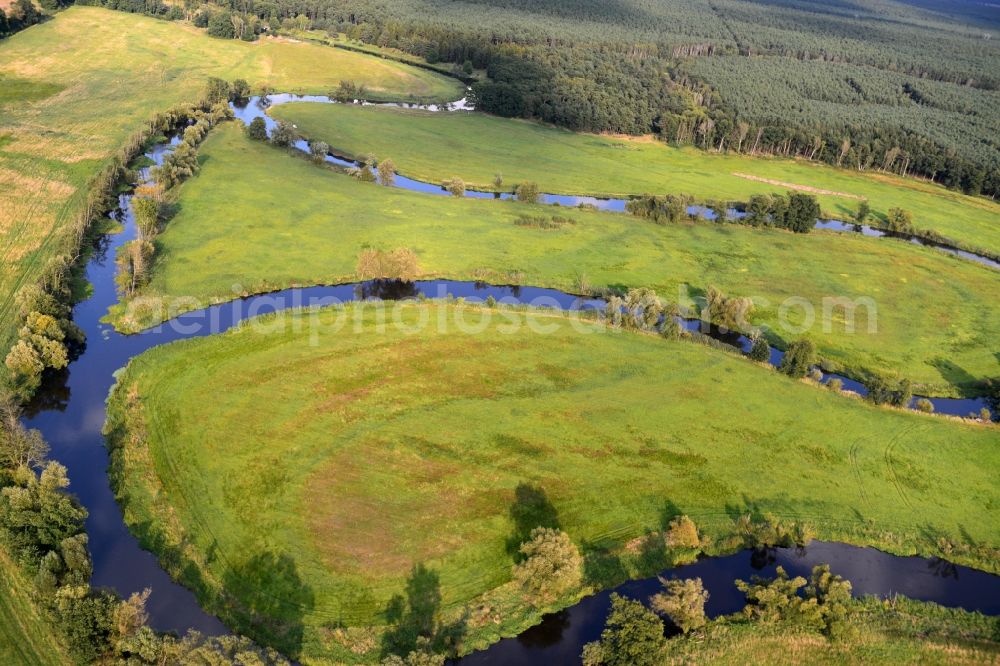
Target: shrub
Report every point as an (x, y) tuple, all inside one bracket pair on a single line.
[(456, 186), (773, 600), (832, 595), (836, 384), (880, 392), (771, 531), (399, 264), (551, 568), (799, 358), (671, 208), (239, 91), (643, 309), (319, 150), (900, 220), (758, 210), (731, 313), (864, 210), (220, 24), (527, 192), (542, 221), (760, 351), (257, 129), (671, 329), (283, 135), (386, 172), (147, 216), (682, 533), (802, 213), (683, 602), (632, 636), (348, 91)]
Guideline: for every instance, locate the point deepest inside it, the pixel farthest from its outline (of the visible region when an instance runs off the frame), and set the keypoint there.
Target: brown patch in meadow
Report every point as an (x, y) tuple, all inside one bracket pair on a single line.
[(377, 508), (792, 186)]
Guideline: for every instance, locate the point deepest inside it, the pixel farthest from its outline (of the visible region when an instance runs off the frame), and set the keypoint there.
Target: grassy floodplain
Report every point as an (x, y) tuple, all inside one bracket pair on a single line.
[(26, 637), (294, 474), (73, 88), (434, 147), (256, 219)]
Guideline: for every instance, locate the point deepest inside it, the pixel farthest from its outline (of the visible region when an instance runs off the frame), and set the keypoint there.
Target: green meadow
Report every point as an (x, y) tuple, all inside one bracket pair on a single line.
[(74, 88), (474, 146), (256, 219), (26, 637), (294, 471)]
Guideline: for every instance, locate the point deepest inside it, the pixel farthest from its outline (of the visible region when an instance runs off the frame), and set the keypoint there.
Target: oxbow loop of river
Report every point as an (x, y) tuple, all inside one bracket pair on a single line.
[(70, 410), (256, 107)]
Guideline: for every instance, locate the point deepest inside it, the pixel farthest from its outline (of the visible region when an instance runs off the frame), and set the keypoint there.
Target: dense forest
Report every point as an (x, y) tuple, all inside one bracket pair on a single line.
[(902, 87)]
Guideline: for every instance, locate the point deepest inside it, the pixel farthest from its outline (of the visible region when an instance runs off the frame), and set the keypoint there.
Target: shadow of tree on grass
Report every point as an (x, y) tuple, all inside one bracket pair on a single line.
[(417, 620), (531, 509), (273, 598)]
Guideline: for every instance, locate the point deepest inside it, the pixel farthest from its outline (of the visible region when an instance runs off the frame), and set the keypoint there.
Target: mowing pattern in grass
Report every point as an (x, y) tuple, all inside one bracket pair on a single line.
[(73, 88), (259, 219), (26, 638), (475, 146), (306, 466)]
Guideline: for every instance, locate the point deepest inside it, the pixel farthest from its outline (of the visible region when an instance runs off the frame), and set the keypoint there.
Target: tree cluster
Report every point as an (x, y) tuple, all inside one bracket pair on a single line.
[(22, 14), (47, 338), (633, 635)]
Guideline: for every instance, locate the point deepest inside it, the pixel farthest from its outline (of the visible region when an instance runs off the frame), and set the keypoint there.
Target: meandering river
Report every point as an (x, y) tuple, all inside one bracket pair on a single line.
[(254, 108), (70, 412)]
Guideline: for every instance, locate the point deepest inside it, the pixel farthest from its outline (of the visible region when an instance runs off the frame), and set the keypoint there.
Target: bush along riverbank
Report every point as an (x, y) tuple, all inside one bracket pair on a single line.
[(42, 530), (42, 526), (48, 339), (816, 619)]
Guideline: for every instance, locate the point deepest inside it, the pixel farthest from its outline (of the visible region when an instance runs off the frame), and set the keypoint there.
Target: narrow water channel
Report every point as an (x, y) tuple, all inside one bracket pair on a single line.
[(254, 108), (70, 411)]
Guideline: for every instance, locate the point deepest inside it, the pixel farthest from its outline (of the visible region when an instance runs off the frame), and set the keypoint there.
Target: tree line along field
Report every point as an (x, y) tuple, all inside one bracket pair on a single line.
[(303, 543), (26, 638), (694, 72), (74, 88), (434, 147), (256, 219)]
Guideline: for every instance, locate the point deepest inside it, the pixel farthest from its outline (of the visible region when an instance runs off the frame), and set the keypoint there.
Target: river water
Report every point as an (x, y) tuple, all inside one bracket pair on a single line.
[(70, 413), (253, 108)]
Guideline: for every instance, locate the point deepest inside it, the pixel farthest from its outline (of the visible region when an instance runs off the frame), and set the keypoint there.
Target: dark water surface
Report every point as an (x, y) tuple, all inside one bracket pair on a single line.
[(560, 638), (70, 412)]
